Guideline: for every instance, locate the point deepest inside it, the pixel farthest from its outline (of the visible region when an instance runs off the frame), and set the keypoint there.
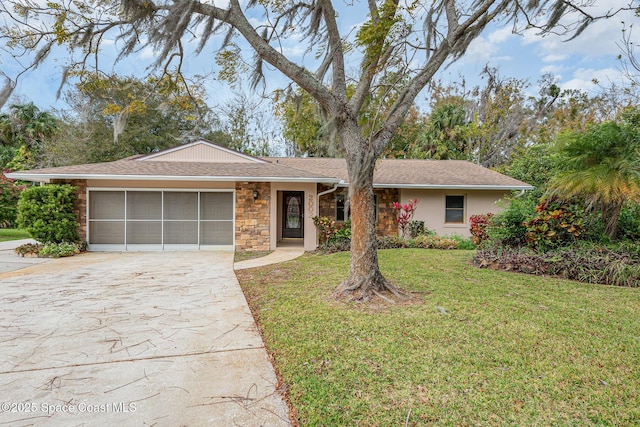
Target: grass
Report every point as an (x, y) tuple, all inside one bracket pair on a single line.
[(480, 347), (7, 234), (246, 255)]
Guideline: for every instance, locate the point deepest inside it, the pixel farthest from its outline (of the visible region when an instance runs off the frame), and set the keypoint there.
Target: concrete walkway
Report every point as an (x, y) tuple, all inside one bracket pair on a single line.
[(10, 261), (275, 257), (129, 339)]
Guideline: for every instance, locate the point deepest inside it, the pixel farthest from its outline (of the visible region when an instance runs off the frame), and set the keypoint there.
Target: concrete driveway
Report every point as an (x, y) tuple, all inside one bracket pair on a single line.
[(112, 339)]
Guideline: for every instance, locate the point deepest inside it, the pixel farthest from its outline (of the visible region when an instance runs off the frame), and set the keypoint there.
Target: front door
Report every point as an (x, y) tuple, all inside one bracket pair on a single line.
[(293, 214)]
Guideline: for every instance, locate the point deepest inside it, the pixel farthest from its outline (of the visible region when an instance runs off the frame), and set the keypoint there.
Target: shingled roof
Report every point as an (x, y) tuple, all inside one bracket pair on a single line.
[(406, 173), (204, 161), (130, 168)]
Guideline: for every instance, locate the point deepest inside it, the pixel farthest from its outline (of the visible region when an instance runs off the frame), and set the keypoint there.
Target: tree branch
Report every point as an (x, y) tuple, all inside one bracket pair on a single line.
[(301, 76)]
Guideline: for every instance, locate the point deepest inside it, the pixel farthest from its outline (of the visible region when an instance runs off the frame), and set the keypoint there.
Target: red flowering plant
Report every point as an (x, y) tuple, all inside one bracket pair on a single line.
[(404, 214), (479, 225)]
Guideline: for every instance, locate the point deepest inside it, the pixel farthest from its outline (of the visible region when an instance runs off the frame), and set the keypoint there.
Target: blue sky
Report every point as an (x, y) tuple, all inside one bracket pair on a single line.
[(575, 63)]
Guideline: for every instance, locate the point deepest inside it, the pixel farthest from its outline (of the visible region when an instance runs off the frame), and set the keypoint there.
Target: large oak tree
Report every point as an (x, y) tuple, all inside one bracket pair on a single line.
[(399, 48)]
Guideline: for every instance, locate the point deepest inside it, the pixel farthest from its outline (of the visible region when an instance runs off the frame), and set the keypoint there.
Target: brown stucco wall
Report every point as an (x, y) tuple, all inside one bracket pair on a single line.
[(252, 218), (386, 225), (81, 204)]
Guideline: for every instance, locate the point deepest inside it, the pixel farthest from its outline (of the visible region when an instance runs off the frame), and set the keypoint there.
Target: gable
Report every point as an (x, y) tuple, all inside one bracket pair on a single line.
[(200, 151)]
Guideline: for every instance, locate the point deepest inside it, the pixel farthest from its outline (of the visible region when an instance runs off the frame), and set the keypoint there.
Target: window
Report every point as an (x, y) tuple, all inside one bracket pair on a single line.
[(343, 211), (454, 209)]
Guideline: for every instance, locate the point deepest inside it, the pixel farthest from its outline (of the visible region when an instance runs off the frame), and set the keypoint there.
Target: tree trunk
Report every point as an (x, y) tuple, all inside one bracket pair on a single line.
[(610, 215), (365, 279)]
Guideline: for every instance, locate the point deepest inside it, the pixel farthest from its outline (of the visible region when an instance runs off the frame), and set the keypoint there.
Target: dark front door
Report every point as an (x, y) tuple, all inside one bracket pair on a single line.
[(293, 214)]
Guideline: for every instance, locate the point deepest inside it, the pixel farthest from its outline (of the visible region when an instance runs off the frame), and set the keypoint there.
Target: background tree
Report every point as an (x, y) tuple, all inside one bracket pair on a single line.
[(310, 130), (24, 131), (304, 126), (399, 48), (247, 125), (602, 166), (445, 135), (121, 116)]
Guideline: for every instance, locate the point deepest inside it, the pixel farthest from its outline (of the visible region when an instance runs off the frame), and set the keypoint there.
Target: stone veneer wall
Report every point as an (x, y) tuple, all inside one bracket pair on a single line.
[(252, 218), (81, 204), (386, 225)]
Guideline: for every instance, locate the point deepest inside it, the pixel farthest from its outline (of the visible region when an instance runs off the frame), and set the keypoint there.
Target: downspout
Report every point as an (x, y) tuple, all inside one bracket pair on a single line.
[(331, 190)]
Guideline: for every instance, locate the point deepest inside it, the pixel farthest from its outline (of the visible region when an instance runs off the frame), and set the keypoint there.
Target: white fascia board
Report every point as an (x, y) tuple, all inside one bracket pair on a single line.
[(455, 187), (48, 177)]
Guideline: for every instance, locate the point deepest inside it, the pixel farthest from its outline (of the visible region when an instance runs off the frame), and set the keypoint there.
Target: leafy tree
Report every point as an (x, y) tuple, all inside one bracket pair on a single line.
[(312, 133), (304, 125), (24, 131), (535, 165), (399, 47), (444, 136), (247, 126), (9, 196), (121, 116), (602, 165)]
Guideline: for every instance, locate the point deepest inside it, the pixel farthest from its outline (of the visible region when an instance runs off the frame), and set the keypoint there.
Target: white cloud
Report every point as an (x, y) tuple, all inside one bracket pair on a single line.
[(551, 69), (292, 52), (480, 50), (584, 78), (501, 35), (597, 41), (554, 57), (146, 53)]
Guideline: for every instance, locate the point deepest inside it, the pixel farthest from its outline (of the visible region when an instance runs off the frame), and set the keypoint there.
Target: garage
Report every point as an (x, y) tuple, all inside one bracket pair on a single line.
[(136, 220)]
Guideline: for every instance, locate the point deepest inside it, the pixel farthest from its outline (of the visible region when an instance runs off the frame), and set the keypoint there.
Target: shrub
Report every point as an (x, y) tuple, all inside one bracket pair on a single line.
[(326, 228), (52, 250), (416, 228), (47, 213), (507, 227), (57, 250), (391, 242), (479, 225), (629, 221), (464, 243), (556, 224), (29, 249), (343, 233), (435, 242), (584, 263)]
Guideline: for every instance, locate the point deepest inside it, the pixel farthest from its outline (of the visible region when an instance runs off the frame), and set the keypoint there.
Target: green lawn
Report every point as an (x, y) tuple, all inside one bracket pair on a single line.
[(12, 234), (480, 348)]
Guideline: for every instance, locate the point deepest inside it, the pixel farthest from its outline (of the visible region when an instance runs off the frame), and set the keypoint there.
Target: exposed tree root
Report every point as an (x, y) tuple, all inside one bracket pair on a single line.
[(366, 288)]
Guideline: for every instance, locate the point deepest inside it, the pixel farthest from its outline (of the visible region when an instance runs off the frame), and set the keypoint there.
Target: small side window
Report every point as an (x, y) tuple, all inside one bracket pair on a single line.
[(454, 210)]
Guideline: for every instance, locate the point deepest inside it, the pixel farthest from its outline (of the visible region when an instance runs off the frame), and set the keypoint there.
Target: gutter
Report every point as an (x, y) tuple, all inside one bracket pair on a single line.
[(48, 177), (455, 187)]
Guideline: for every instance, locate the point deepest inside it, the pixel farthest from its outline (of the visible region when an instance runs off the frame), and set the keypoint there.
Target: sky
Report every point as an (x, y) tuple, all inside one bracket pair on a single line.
[(575, 63)]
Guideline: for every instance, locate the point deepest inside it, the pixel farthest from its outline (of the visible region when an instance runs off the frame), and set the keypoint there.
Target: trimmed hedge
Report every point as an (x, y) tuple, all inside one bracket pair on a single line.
[(47, 213)]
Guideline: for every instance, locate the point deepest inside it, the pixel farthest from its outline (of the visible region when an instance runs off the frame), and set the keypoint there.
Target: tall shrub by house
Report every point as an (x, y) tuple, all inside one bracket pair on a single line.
[(47, 213)]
